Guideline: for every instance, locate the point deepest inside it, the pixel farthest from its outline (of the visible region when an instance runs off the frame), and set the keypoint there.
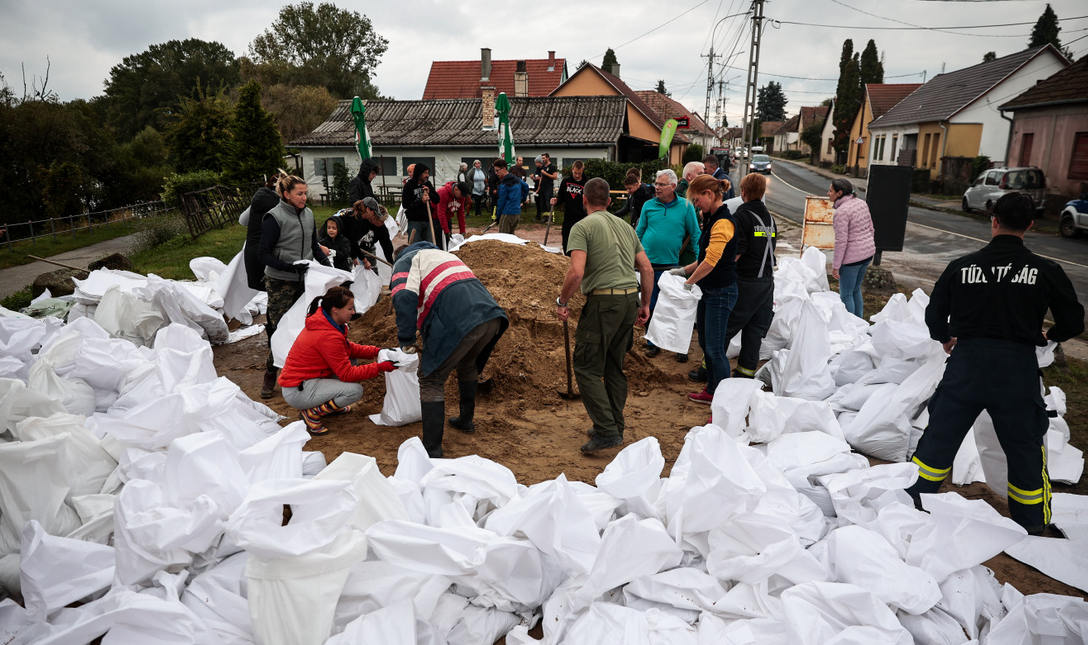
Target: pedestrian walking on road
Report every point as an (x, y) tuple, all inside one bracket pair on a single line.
[(459, 323), (987, 309), (605, 253), (855, 243)]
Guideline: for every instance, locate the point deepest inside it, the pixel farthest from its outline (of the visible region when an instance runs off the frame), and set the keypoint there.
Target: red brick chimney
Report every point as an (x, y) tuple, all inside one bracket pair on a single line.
[(551, 60), (521, 80)]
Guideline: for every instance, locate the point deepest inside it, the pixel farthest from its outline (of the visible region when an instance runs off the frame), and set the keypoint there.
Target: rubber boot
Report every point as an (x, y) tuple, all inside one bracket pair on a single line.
[(463, 422), (433, 426), (268, 386)]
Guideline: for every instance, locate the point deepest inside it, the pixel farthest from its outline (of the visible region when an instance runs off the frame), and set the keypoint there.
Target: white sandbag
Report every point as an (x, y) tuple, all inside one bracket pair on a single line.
[(972, 597), (674, 314), (91, 290), (608, 624), (55, 571), (392, 625), (555, 520), (318, 280), (151, 535), (11, 367), (218, 598), (803, 457), (73, 393), (182, 358), (865, 558), (378, 501), (232, 284), (471, 484), (732, 399), (179, 305), (126, 316), (374, 584), (753, 631), (20, 337), (34, 483), (17, 627), (401, 405), (320, 511), (751, 548), (204, 464), (467, 624), (635, 470), (815, 261), (630, 548), (17, 402), (276, 457), (805, 373), (292, 599), (856, 493), (426, 549), (1063, 560), (832, 612), (960, 534), (367, 288), (684, 588), (1042, 618), (207, 269), (770, 416), (87, 463)]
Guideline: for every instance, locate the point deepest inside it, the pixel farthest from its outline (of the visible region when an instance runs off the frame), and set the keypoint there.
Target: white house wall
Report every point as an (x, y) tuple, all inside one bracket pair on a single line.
[(899, 133), (828, 133)]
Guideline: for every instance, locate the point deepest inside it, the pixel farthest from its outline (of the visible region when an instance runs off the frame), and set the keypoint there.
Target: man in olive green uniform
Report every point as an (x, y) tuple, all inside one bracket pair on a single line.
[(605, 252)]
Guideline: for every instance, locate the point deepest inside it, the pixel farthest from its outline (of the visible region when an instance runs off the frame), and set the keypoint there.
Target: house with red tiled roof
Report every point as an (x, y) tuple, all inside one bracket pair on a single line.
[(668, 108), (788, 136), (810, 116), (767, 132), (1050, 129), (467, 79), (642, 127), (956, 116), (878, 99)]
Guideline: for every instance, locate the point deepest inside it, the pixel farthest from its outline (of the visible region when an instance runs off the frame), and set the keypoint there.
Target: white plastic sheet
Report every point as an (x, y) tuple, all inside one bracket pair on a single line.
[(674, 314), (401, 405)]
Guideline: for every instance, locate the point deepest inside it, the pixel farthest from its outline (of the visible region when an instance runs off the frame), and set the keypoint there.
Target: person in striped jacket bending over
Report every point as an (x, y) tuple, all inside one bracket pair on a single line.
[(459, 323)]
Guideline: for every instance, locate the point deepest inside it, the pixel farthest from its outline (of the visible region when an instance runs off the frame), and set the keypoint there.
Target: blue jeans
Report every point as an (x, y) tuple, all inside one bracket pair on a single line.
[(850, 278), (423, 232), (712, 319)]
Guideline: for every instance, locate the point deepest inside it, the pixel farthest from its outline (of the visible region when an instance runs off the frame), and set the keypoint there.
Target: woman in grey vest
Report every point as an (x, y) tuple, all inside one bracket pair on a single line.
[(288, 235)]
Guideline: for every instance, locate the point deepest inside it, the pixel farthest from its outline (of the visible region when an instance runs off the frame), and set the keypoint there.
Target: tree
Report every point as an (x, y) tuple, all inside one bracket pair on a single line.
[(256, 148), (144, 88), (813, 137), (989, 56), (870, 67), (298, 109), (323, 45), (771, 103), (609, 61), (661, 88), (200, 136), (1046, 31), (848, 97)]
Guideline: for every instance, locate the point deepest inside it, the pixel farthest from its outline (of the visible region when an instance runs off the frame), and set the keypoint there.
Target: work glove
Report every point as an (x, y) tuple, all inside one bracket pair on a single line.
[(386, 366), (688, 286), (301, 267), (408, 349), (680, 271)]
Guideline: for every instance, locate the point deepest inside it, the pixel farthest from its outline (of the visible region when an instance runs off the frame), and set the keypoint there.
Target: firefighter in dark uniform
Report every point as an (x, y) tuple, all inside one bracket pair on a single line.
[(989, 306)]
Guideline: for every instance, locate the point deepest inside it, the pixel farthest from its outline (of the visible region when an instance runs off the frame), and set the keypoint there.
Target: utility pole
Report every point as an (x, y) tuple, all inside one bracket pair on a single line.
[(752, 88), (709, 80)]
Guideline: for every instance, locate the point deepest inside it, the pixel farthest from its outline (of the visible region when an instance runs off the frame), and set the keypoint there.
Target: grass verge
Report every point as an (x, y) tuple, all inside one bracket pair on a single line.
[(44, 247)]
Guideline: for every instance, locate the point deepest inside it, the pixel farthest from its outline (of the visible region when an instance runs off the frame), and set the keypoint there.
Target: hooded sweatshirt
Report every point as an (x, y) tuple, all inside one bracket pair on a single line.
[(415, 208)]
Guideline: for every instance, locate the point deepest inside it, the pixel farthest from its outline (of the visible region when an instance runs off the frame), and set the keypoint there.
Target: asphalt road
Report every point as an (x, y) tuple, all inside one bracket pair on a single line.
[(933, 238)]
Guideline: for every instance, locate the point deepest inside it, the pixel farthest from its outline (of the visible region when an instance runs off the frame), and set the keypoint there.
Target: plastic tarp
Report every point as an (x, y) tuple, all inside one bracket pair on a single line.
[(674, 314)]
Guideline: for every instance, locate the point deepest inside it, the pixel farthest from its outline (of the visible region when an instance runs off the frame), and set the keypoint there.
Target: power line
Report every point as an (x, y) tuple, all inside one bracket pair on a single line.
[(673, 19), (875, 28), (902, 22)]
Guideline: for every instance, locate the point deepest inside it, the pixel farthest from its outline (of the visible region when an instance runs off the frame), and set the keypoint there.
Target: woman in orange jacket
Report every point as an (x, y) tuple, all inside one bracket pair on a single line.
[(319, 377)]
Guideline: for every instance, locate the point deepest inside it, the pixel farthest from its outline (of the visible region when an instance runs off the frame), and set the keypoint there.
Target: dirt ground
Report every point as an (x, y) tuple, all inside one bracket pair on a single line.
[(523, 422)]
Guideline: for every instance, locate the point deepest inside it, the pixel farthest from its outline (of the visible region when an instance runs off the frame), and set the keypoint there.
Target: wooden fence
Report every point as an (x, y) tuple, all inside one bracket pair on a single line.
[(213, 207), (71, 224)]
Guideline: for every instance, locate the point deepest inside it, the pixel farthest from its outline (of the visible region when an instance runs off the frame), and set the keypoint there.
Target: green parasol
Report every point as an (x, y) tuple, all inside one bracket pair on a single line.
[(506, 140), (362, 137)]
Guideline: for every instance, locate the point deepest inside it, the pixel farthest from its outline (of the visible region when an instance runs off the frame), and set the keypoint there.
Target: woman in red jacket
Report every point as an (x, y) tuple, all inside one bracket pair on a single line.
[(318, 376)]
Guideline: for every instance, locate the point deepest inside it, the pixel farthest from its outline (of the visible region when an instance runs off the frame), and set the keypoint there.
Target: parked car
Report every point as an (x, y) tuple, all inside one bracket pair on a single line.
[(1075, 217), (760, 163), (740, 153), (993, 183)]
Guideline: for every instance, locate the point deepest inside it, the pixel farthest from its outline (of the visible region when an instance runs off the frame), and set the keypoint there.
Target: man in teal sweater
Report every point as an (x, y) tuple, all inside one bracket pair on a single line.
[(667, 224)]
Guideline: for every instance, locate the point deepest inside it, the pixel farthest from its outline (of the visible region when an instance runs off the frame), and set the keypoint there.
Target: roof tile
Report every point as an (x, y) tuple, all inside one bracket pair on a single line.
[(460, 79)]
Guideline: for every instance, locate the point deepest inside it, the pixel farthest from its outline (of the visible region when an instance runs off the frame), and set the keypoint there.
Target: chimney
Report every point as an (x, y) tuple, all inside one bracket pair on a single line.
[(521, 80), (616, 70), (551, 60), (485, 63), (487, 107)]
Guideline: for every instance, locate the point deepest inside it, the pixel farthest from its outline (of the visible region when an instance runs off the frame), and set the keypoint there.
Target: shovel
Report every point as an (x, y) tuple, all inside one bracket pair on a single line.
[(570, 393), (551, 218)]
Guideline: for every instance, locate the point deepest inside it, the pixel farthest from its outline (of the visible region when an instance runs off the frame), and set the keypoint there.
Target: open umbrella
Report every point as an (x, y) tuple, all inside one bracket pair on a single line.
[(506, 140), (362, 137)]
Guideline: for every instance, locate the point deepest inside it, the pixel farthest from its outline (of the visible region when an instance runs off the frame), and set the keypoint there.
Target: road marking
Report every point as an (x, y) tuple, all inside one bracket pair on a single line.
[(941, 230)]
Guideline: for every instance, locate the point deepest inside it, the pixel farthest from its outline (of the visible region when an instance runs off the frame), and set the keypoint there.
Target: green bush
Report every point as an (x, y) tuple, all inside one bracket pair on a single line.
[(338, 187), (156, 231), (177, 185), (792, 154), (694, 152), (613, 172), (838, 168), (979, 164), (18, 300)]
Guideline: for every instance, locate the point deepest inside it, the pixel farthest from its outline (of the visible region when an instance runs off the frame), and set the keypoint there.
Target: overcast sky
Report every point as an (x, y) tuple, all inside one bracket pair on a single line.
[(83, 40)]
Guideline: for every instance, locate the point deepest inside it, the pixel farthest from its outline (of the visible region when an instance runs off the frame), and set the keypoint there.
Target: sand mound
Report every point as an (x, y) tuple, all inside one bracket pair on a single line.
[(529, 363)]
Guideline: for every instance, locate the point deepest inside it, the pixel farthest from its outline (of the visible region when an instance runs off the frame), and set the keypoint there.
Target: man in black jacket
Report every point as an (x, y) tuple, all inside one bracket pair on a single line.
[(418, 192), (264, 200), (989, 306), (570, 199), (360, 185)]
